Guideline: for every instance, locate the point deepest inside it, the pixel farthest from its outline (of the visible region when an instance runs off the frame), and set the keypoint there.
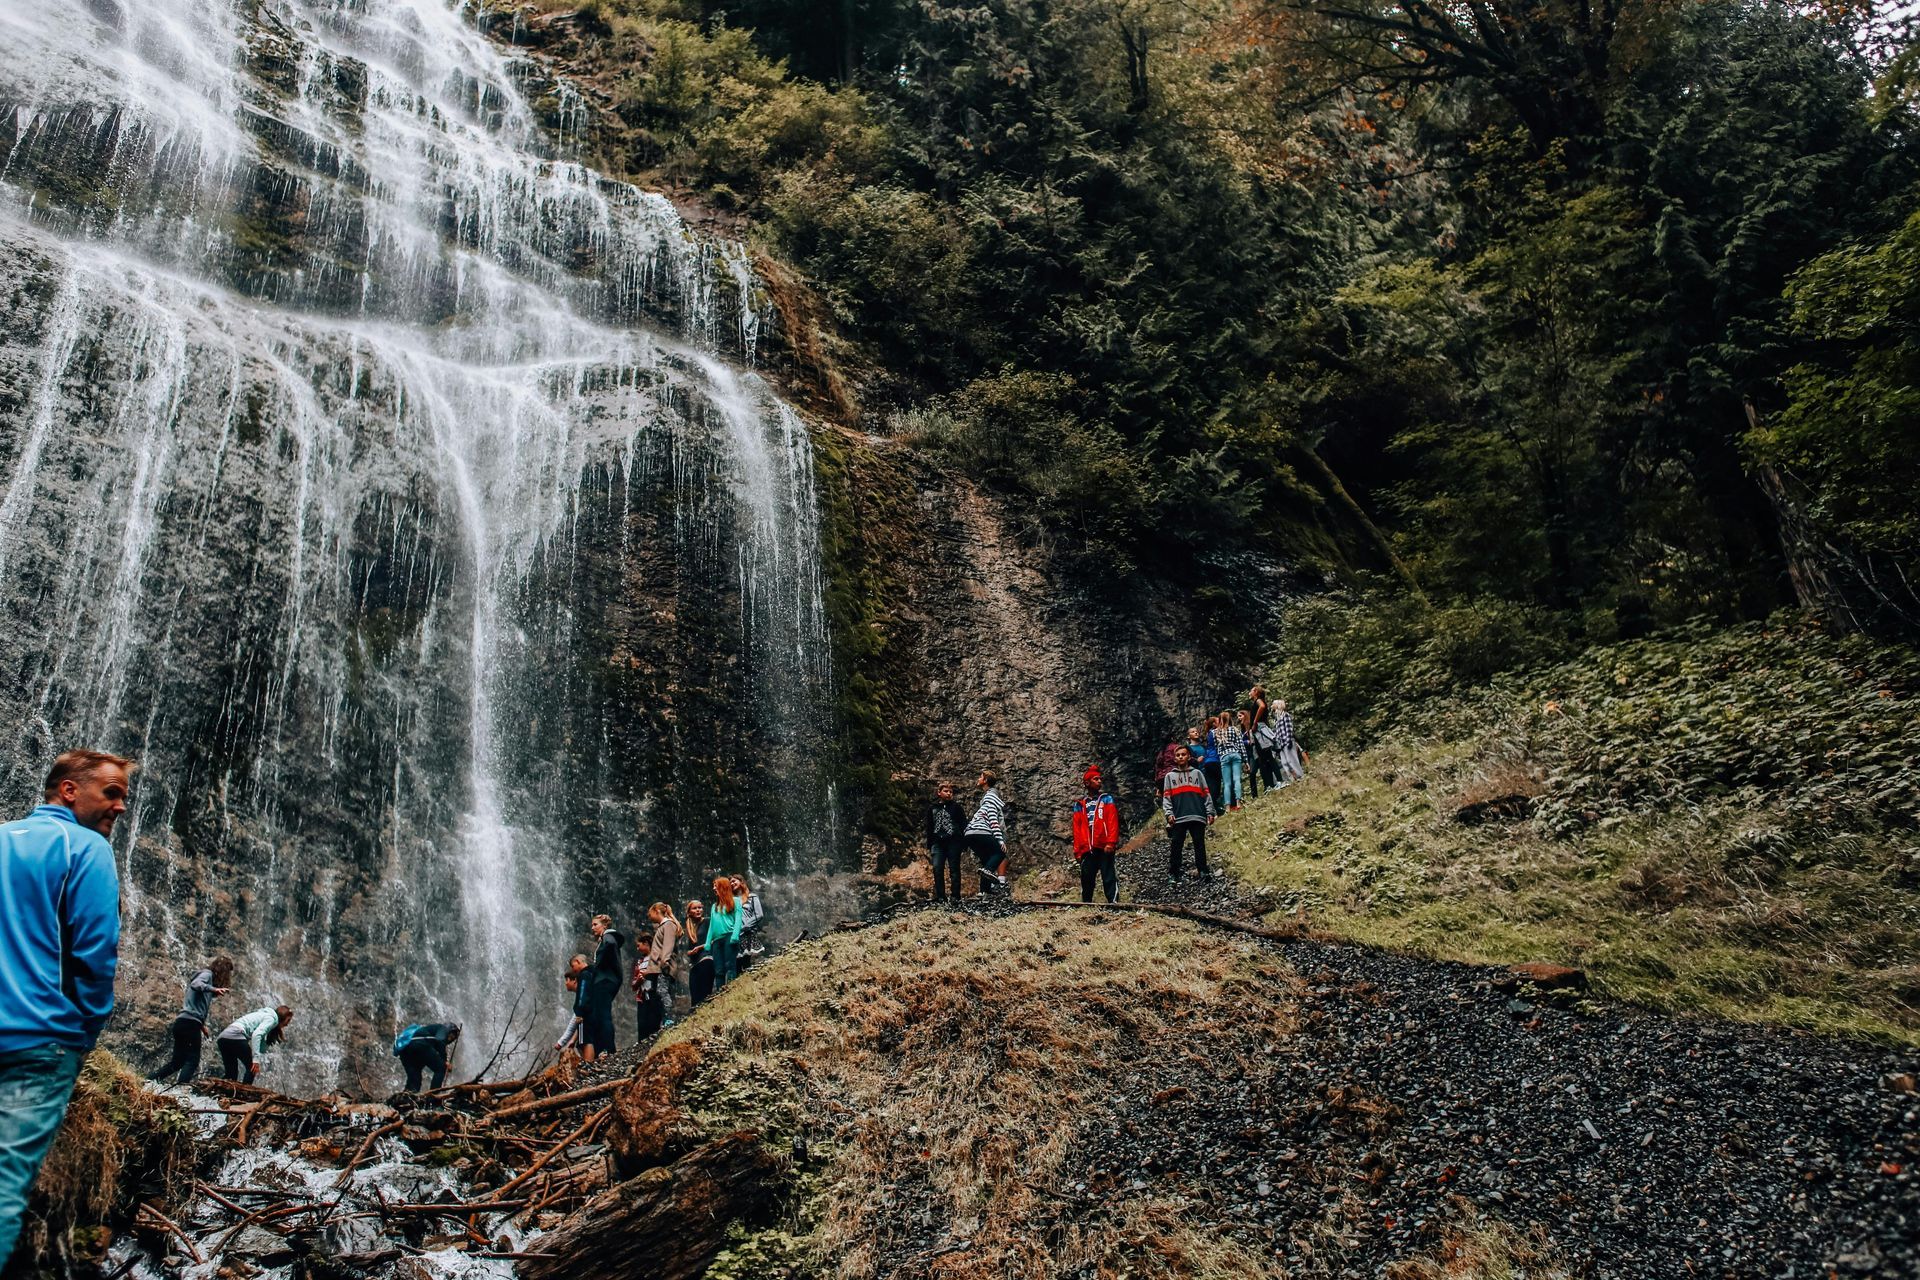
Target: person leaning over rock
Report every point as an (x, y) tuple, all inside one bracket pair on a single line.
[(987, 833), (426, 1047), (946, 821), (1188, 807), (604, 979), (576, 984), (1096, 837), (190, 1024), (58, 952), (243, 1045)]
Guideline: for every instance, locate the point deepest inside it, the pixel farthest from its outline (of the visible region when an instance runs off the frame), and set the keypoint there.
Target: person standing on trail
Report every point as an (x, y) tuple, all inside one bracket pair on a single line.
[(700, 966), (603, 977), (653, 976), (243, 1045), (986, 833), (1233, 753), (1286, 748), (1251, 760), (1209, 756), (59, 949), (576, 984), (1188, 807), (748, 944), (1096, 837), (1264, 736), (190, 1024), (426, 1047), (723, 931), (946, 821)]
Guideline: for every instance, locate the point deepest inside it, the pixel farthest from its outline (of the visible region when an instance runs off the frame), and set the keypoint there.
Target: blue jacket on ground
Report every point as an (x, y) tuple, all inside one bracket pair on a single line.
[(59, 931)]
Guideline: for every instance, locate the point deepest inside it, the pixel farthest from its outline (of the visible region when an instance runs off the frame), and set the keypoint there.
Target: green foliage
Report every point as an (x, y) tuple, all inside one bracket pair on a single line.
[(1847, 431), (1351, 664), (1721, 821)]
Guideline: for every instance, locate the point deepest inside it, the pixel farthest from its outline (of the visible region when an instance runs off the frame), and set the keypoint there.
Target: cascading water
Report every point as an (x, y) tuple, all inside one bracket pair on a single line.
[(391, 486)]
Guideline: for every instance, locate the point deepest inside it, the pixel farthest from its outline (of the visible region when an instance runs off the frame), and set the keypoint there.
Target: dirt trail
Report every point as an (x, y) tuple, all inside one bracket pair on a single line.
[(1415, 1098)]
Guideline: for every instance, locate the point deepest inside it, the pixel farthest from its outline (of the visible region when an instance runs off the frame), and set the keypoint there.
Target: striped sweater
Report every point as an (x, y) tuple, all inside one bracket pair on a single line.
[(990, 819), (1185, 797)]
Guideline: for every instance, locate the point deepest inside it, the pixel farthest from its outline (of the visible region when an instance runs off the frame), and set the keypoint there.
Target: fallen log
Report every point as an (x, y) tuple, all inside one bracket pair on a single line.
[(558, 1100), (667, 1224), (591, 1123)]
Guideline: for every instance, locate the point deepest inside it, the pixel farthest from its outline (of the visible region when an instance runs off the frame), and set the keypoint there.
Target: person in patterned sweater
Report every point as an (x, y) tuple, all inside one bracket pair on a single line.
[(1188, 806)]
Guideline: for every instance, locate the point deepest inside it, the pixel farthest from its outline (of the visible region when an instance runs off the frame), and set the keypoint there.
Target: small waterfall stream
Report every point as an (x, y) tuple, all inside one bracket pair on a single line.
[(397, 489)]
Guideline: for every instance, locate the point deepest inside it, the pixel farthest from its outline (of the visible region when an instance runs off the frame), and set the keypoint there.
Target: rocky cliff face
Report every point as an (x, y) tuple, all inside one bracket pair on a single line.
[(400, 492)]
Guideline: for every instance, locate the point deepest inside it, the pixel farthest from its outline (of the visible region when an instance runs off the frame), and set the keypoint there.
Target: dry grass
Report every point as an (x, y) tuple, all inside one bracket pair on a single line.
[(117, 1145), (937, 1064), (1481, 1248)]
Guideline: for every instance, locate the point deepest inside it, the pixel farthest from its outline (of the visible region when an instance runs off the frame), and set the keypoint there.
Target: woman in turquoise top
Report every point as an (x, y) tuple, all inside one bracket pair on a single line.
[(723, 932)]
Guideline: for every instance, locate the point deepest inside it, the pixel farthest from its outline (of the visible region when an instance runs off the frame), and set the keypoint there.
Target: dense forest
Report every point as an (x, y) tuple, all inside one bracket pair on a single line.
[(1529, 325)]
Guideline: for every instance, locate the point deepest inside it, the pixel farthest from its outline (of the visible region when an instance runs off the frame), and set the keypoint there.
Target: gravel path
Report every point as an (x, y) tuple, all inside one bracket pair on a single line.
[(1639, 1145), (1416, 1095)]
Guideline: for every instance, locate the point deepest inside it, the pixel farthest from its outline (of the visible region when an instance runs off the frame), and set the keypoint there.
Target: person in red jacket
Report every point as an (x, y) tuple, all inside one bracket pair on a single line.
[(1096, 836)]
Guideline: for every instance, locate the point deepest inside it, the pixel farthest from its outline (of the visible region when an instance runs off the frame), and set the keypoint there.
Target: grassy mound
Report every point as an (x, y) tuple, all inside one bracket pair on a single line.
[(118, 1146), (933, 1068), (1713, 821)]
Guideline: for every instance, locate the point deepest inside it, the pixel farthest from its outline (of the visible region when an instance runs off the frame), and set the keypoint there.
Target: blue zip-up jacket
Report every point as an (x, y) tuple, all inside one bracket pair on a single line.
[(59, 931)]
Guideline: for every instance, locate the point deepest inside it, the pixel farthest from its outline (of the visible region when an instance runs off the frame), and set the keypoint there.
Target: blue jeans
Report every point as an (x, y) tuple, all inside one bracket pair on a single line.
[(34, 1087), (1229, 780), (726, 960)]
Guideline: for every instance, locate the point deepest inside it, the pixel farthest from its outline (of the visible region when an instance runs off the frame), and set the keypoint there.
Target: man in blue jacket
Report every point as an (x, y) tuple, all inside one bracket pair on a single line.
[(59, 946)]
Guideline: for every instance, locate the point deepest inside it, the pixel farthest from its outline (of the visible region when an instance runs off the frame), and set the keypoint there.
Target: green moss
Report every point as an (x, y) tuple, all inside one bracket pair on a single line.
[(1666, 852)]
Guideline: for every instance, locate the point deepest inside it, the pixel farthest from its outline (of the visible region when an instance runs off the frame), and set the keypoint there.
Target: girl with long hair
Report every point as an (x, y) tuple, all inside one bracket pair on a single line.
[(723, 932)]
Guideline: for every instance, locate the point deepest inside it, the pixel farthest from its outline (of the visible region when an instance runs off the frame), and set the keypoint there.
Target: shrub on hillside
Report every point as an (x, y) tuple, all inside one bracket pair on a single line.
[(1356, 662)]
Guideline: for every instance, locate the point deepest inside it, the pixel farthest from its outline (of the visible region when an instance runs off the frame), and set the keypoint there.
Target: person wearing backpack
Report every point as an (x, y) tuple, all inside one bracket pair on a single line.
[(425, 1047), (190, 1027), (1265, 738), (946, 823), (1096, 837)]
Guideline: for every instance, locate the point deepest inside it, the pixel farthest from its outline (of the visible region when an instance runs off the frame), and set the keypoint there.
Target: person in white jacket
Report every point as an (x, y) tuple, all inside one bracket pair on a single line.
[(243, 1045)]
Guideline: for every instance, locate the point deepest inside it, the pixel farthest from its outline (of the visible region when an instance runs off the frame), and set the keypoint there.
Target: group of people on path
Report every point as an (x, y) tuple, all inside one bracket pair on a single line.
[(1197, 780), (709, 947)]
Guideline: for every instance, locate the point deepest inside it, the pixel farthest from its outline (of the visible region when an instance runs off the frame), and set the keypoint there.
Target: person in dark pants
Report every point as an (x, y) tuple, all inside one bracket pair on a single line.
[(190, 1024), (986, 834), (699, 959), (1096, 835), (59, 949), (604, 978), (243, 1045), (576, 985), (946, 824), (429, 1048), (1266, 736), (1188, 807), (646, 998)]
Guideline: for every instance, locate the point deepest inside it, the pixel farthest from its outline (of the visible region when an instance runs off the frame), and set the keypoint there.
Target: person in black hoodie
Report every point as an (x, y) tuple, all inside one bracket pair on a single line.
[(605, 976), (946, 826)]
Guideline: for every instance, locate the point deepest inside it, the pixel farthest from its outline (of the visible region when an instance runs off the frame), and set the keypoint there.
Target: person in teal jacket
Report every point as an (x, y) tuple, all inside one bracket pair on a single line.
[(243, 1045), (723, 932), (59, 948)]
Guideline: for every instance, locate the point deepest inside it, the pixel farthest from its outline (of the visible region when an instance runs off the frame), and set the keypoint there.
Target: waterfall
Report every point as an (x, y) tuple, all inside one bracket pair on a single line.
[(397, 489)]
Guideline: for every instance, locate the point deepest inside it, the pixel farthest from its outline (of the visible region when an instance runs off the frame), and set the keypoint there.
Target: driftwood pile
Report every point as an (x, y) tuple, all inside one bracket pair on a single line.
[(560, 1179)]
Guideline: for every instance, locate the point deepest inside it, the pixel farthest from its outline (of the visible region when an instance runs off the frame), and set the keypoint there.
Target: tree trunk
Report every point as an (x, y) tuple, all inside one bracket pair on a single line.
[(1354, 509), (667, 1224)]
